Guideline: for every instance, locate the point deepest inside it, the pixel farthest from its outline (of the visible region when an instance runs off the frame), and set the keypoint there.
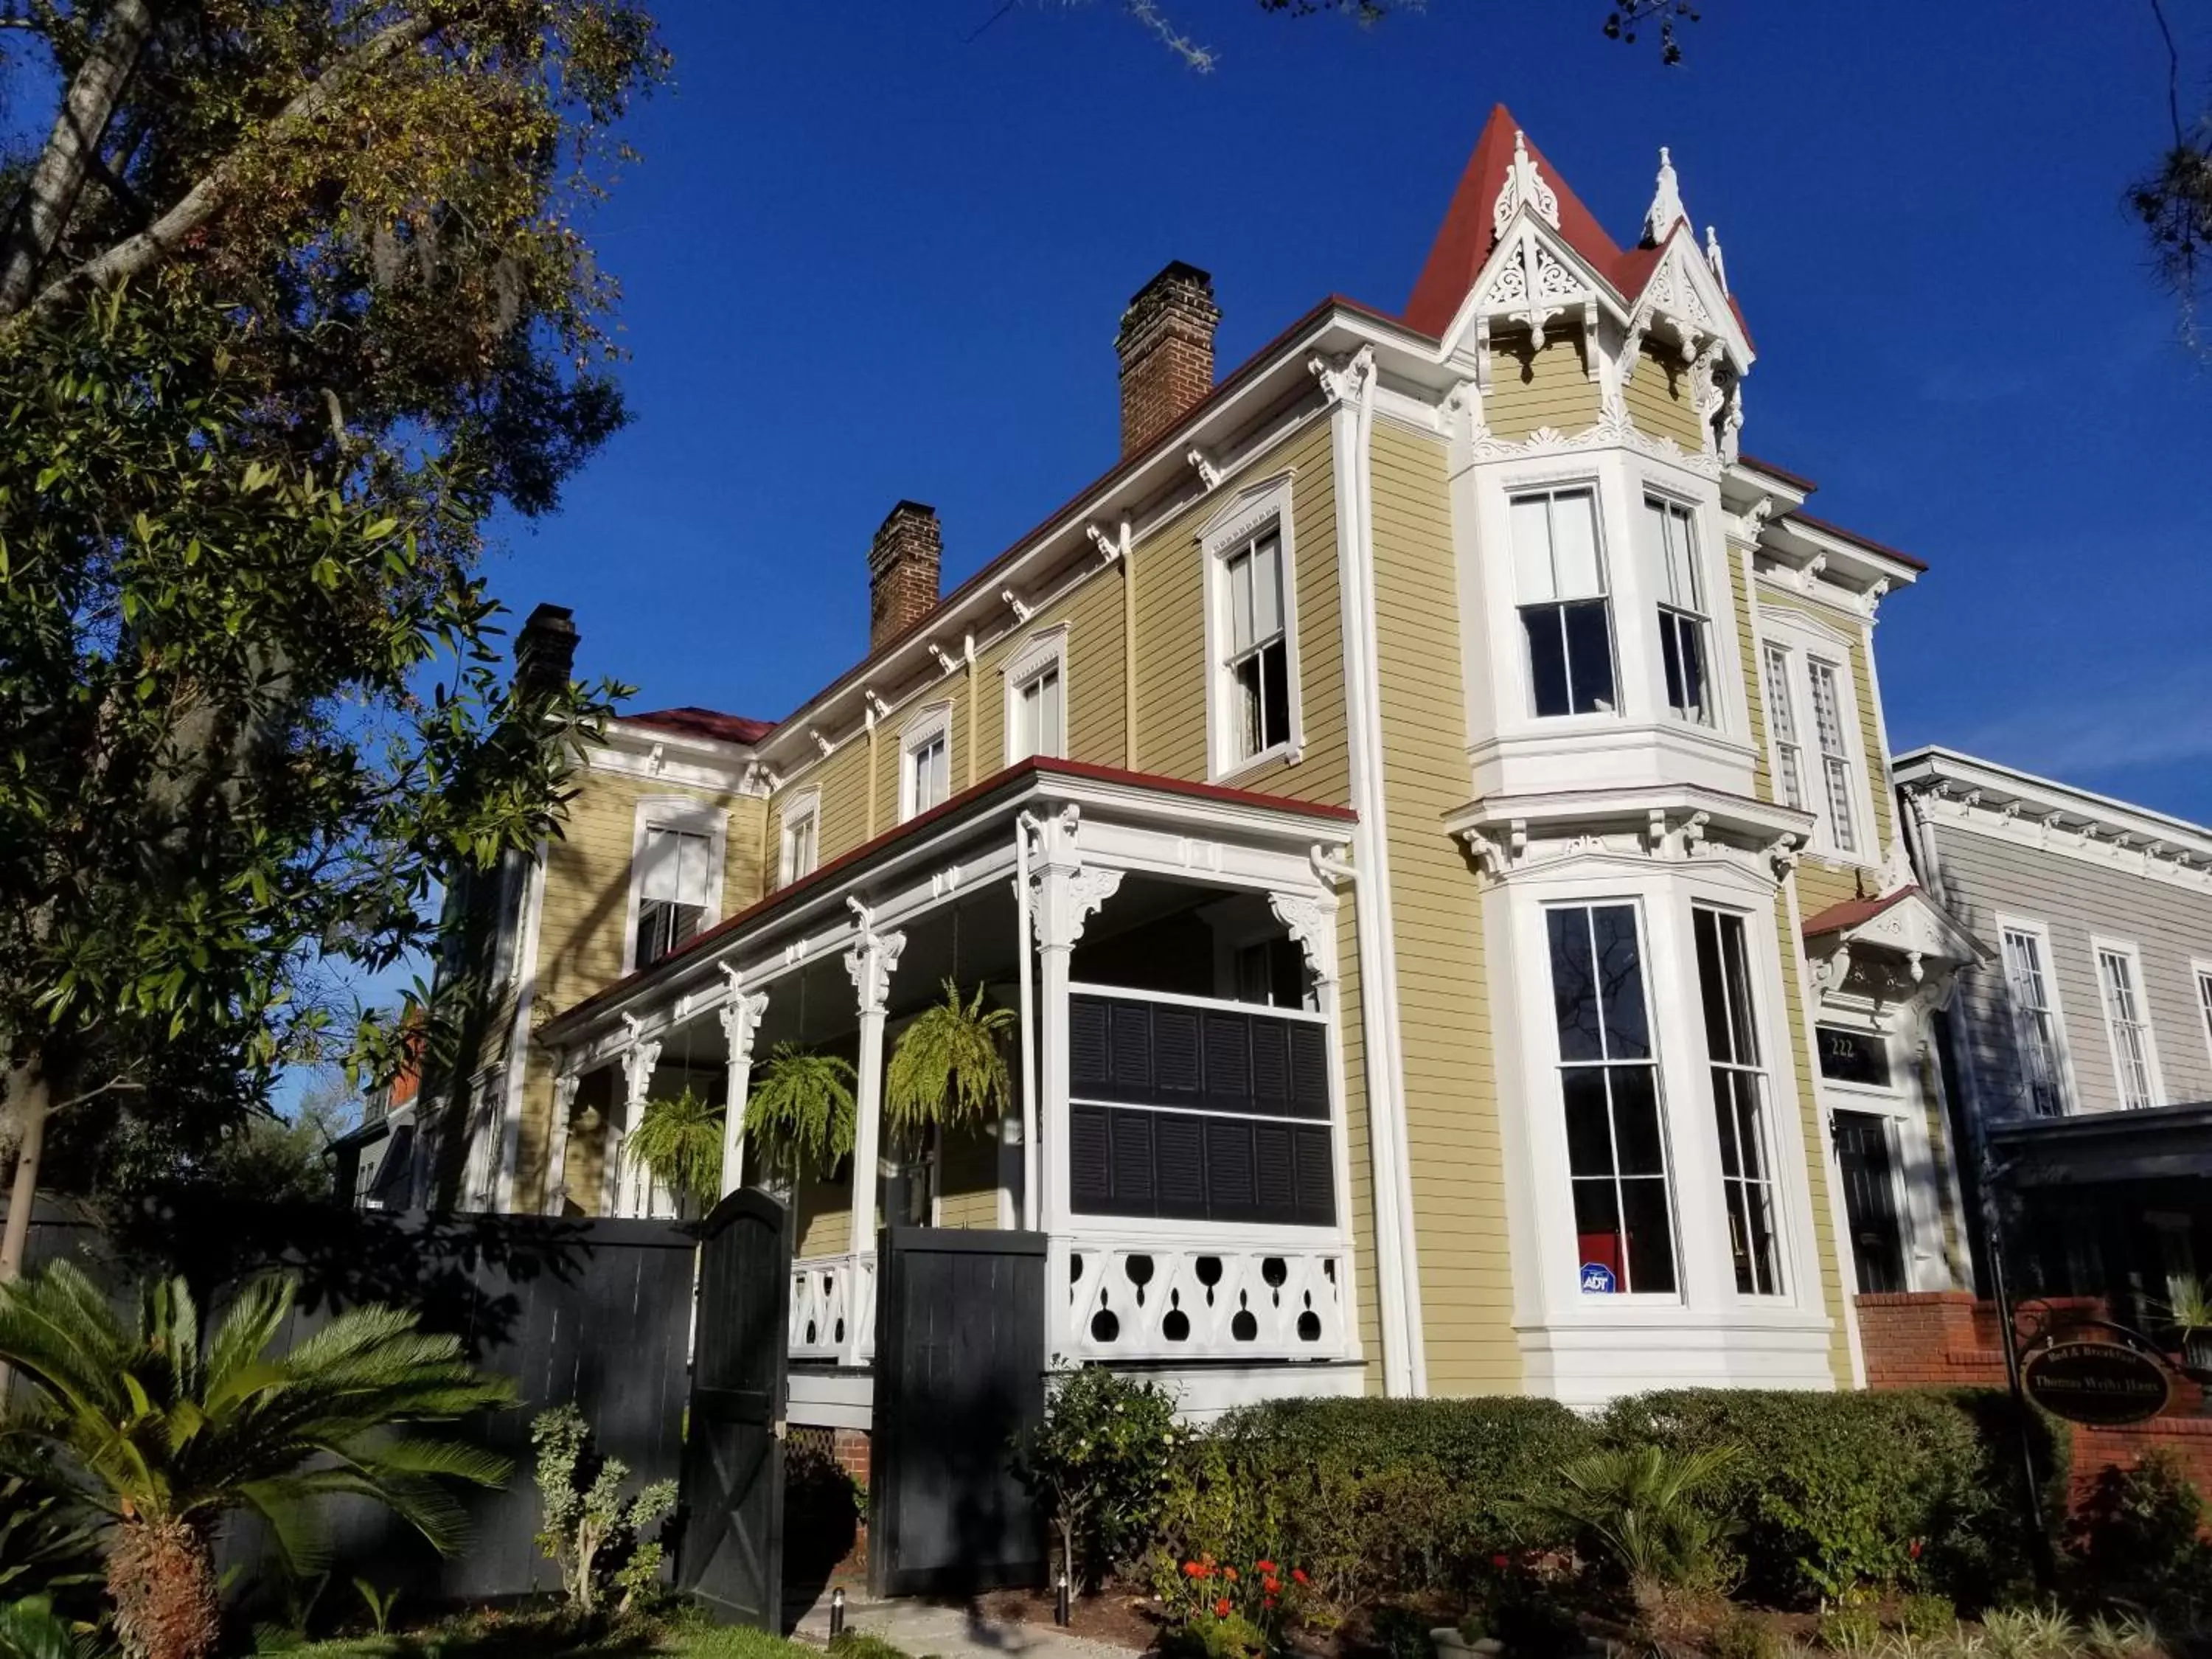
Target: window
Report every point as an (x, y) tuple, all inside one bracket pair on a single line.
[(1781, 721), (1835, 758), (1258, 663), (675, 873), (925, 761), (1848, 1056), (802, 843), (1560, 575), (1681, 612), (2135, 1059), (1738, 1101), (2204, 998), (1609, 1088), (2035, 1023)]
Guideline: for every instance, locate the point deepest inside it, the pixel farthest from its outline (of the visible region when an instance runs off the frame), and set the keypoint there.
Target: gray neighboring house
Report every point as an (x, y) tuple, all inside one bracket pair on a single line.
[(2079, 1053)]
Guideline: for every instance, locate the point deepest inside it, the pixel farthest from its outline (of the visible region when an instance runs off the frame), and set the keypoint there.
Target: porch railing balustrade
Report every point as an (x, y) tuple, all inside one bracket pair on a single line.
[(833, 1308)]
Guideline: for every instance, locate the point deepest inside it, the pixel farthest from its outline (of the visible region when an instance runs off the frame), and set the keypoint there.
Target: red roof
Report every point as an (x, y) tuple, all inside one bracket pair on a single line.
[(693, 722), (1035, 765), (1795, 480), (1853, 536), (1855, 912)]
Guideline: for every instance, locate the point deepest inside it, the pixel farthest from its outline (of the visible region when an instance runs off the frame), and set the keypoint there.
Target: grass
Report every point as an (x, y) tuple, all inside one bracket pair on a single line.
[(531, 1635)]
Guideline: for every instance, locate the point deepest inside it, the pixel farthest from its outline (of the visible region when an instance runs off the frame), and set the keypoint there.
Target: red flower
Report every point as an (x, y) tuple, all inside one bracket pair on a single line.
[(1272, 1585), (1913, 1549), (1264, 1566), (1192, 1569), (1221, 1608), (1500, 1561), (1229, 1573), (1298, 1576), (1270, 1601)]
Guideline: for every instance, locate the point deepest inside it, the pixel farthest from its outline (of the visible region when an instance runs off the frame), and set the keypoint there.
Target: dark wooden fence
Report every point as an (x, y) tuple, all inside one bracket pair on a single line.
[(959, 1380), (597, 1313)]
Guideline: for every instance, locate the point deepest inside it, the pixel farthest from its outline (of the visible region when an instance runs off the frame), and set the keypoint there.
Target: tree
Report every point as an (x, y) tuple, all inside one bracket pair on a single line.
[(166, 1434), (297, 293)]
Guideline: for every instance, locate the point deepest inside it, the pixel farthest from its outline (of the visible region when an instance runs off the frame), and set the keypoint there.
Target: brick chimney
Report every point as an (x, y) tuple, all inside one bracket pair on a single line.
[(1166, 346), (545, 650), (904, 567)]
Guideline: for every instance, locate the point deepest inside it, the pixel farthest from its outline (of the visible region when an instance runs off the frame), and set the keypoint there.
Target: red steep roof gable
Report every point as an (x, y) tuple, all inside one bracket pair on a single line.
[(1466, 237), (696, 722)]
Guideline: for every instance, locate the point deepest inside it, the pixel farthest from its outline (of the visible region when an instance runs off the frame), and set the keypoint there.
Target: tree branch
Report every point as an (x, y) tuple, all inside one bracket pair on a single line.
[(42, 211), (151, 245)]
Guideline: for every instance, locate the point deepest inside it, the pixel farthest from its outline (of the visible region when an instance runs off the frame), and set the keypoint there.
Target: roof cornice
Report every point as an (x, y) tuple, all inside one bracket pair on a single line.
[(2005, 794)]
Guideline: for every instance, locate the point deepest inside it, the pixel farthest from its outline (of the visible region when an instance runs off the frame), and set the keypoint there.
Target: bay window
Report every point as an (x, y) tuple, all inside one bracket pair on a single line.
[(1565, 615), (1609, 1090), (1740, 1113), (1672, 530)]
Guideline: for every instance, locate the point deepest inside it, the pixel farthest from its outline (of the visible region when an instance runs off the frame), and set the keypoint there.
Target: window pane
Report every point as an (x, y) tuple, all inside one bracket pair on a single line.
[(1574, 985), (1548, 658), (1266, 588), (1589, 1133), (1574, 545), (1777, 695), (1240, 634), (1635, 1120), (1275, 695), (1051, 736), (1718, 1043), (1589, 657), (1651, 1236), (1597, 1235), (1620, 982), (1249, 704), (1531, 549), (659, 865), (692, 869)]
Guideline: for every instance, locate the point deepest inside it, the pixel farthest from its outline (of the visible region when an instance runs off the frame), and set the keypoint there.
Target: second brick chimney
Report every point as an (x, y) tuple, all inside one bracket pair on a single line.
[(545, 650), (903, 569), (1166, 346)]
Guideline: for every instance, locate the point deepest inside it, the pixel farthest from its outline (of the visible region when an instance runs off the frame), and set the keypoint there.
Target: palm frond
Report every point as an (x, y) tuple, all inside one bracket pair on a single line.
[(679, 1138), (949, 1068), (31, 1629), (246, 1331), (799, 1115), (57, 1329)]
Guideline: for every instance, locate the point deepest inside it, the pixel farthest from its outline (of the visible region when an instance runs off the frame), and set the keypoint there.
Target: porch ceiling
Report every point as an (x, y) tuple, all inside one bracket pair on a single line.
[(2152, 1143)]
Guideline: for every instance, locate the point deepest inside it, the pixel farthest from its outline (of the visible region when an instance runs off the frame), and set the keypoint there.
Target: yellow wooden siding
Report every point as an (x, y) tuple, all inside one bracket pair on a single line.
[(1659, 401), (1453, 1146), (1359, 1198), (968, 1180), (821, 1220), (1550, 389), (1813, 1127)]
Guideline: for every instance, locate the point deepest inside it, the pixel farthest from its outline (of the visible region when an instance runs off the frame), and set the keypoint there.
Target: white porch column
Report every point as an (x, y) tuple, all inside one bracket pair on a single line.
[(638, 1063), (741, 1019), (565, 1085), (1311, 921), (1069, 893), (870, 962)]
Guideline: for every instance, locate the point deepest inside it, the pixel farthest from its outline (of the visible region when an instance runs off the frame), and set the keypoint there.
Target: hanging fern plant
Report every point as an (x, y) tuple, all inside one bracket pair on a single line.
[(679, 1140), (799, 1115), (948, 1071)]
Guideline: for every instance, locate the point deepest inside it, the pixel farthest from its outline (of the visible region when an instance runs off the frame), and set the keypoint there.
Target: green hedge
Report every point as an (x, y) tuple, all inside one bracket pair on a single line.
[(1391, 1499), (1835, 1490)]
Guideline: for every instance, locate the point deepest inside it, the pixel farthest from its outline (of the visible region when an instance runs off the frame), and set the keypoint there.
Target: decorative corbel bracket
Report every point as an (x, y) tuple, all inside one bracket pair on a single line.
[(821, 742), (877, 707), (946, 662), (1022, 612), (1208, 473), (1336, 872), (1783, 853), (1116, 546)]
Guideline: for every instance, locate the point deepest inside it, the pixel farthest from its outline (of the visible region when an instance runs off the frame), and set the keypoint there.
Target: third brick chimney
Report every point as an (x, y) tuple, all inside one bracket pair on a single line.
[(903, 570), (1166, 346)]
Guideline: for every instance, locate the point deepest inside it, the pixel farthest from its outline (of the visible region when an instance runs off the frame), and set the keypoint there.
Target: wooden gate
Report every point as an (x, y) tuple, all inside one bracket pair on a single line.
[(732, 1554), (959, 1378)]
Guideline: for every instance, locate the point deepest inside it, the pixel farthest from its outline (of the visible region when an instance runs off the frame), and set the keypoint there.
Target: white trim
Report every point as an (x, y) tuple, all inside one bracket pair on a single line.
[(1805, 641), (2200, 980), (2035, 798), (800, 805), (518, 1039), (1239, 523), (928, 724), (686, 814), (1043, 652), (2100, 947), (2069, 1087), (1227, 1005)]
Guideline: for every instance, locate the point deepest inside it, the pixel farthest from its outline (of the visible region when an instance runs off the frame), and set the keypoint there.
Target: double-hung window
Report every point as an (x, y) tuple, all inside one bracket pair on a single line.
[(2135, 1058), (1782, 721), (802, 840), (1609, 1089), (1039, 715), (1559, 573), (925, 761), (1672, 528), (676, 870), (2204, 999), (2035, 1023), (1739, 1114), (1835, 758), (1257, 663)]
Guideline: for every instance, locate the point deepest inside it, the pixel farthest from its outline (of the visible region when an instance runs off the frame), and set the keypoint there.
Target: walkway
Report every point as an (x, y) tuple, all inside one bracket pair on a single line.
[(929, 1629)]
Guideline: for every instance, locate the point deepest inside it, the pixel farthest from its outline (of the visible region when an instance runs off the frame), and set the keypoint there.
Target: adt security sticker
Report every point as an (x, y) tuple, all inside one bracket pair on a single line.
[(1597, 1279)]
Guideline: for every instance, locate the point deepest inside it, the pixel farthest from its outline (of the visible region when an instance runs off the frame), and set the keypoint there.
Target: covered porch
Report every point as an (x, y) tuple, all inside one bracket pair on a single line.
[(1177, 1126)]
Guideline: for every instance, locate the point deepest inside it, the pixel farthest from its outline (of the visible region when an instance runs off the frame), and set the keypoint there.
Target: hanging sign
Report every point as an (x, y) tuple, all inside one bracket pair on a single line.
[(2101, 1384)]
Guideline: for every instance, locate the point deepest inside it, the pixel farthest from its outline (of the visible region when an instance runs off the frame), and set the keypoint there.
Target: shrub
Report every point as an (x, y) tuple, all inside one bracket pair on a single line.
[(2139, 1538), (1100, 1461), (1643, 1508), (1375, 1499), (1221, 1610), (1925, 1616), (1839, 1490), (597, 1540), (1850, 1626), (1740, 1636)]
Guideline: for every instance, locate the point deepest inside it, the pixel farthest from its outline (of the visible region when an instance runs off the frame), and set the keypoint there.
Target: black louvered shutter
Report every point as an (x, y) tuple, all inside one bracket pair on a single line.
[(1132, 1051), (1229, 1062), (1309, 1089), (1134, 1186), (1089, 1070), (1090, 1185), (1271, 1066), (1176, 1073), (1317, 1183), (1274, 1172), (1229, 1194), (1179, 1149)]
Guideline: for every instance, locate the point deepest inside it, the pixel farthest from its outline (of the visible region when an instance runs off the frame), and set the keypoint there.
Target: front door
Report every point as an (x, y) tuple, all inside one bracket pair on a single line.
[(1869, 1176)]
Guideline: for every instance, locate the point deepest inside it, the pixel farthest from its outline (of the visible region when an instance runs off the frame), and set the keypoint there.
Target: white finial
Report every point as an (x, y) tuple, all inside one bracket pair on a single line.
[(1665, 204), (1713, 258), (1523, 184)]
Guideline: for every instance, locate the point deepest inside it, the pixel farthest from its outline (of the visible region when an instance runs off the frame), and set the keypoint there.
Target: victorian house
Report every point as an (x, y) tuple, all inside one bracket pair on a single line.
[(1425, 805)]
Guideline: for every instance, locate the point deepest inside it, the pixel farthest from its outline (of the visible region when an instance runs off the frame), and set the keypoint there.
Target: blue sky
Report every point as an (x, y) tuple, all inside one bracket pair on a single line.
[(873, 253)]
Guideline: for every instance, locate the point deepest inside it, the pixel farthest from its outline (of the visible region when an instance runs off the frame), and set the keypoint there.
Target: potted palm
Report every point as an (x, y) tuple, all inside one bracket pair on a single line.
[(679, 1140), (799, 1115), (948, 1069), (2189, 1309), (166, 1434)]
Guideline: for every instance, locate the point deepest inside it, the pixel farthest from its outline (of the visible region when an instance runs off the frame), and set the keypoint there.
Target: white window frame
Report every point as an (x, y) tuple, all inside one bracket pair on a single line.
[(1699, 612), (1801, 638), (932, 725), (691, 815), (1608, 594), (1761, 1070), (2129, 952), (2062, 1059), (1043, 652), (2200, 976), (1254, 512), (480, 1140), (805, 806)]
